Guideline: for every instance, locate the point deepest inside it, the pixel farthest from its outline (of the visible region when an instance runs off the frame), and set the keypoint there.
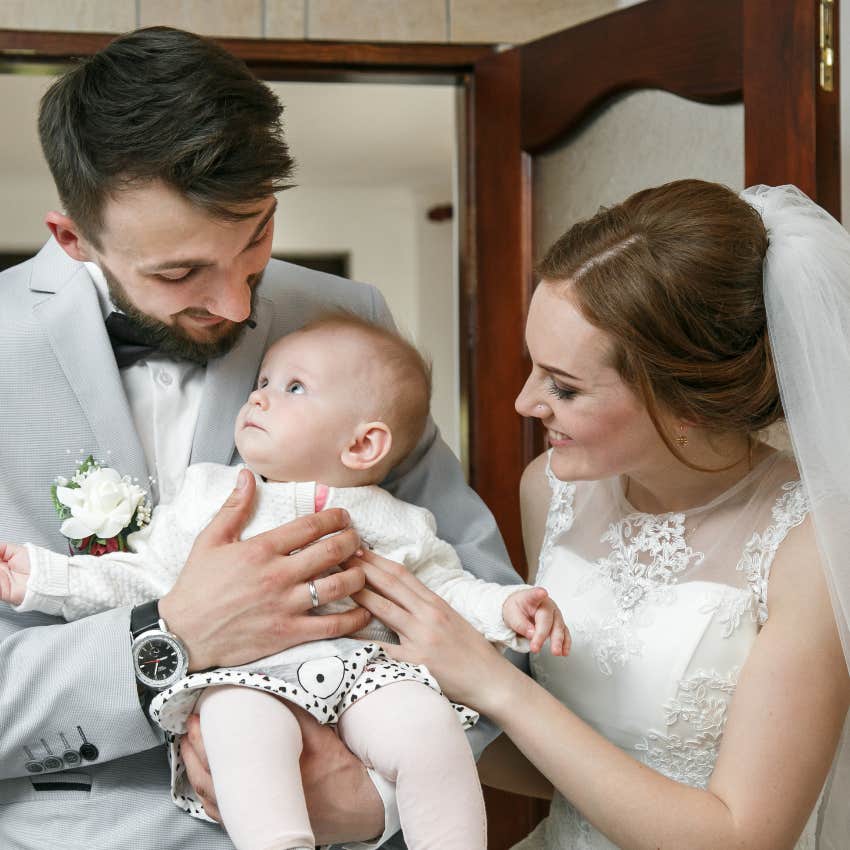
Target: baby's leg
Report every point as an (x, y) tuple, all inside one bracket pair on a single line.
[(253, 744), (410, 734)]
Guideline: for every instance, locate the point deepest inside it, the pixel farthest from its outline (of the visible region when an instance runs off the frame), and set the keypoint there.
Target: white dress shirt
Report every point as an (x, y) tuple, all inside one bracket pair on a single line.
[(165, 398)]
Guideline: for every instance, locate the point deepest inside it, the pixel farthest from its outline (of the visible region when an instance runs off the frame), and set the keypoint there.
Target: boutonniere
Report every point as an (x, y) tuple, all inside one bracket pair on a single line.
[(99, 508)]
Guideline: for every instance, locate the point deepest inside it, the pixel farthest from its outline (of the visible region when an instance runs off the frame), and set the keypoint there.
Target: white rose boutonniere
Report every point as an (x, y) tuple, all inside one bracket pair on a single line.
[(99, 508)]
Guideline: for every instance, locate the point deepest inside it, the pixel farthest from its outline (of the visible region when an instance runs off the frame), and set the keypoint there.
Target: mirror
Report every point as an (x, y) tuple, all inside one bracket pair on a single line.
[(376, 186)]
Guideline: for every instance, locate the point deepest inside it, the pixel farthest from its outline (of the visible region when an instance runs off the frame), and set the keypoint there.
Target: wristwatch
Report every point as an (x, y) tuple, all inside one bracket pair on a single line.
[(159, 657)]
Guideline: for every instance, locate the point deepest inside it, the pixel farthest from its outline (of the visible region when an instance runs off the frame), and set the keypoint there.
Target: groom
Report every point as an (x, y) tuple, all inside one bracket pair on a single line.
[(135, 335)]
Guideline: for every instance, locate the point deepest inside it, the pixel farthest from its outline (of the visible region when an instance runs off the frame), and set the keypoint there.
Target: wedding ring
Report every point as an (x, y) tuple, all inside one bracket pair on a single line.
[(314, 594)]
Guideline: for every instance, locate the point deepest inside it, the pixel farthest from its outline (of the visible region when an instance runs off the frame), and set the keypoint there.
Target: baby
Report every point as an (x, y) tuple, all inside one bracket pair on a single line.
[(337, 405)]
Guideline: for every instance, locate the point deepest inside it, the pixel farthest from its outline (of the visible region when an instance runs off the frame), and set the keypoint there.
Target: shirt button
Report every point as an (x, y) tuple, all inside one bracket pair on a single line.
[(165, 378)]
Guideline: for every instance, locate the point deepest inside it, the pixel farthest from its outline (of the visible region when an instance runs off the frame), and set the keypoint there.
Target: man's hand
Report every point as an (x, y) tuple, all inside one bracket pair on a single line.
[(341, 800), (239, 600), (14, 572), (533, 615)]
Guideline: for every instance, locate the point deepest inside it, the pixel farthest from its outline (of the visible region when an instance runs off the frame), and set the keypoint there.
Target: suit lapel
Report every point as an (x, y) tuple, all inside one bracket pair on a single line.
[(227, 384), (73, 322)]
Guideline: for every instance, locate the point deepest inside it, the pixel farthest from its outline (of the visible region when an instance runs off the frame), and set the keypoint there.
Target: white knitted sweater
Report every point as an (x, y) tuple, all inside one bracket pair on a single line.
[(79, 585)]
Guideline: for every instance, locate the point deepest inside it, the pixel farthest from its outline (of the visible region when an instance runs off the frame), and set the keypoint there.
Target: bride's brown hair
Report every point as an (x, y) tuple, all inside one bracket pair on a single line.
[(673, 275)]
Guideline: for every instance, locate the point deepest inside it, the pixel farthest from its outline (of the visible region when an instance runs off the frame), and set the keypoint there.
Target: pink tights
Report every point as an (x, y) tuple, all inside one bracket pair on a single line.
[(404, 731)]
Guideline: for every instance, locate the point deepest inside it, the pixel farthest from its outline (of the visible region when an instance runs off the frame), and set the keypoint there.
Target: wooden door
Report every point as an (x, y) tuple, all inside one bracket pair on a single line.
[(763, 53)]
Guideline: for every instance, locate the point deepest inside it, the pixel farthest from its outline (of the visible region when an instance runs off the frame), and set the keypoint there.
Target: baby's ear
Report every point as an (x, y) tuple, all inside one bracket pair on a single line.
[(371, 444)]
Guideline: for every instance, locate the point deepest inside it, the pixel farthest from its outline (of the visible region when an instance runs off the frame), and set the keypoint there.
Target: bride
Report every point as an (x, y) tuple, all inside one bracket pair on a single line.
[(702, 573)]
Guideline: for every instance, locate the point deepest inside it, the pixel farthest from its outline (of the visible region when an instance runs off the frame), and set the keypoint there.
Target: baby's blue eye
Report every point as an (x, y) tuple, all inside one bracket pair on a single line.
[(295, 387)]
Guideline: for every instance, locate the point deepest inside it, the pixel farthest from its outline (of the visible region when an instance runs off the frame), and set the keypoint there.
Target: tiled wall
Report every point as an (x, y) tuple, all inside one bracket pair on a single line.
[(511, 21)]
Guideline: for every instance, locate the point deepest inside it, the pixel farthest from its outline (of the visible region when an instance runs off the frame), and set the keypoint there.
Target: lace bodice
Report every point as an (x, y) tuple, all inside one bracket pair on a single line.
[(663, 611)]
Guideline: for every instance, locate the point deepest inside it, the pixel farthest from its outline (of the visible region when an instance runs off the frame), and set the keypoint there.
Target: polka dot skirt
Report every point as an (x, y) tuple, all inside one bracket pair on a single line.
[(324, 687)]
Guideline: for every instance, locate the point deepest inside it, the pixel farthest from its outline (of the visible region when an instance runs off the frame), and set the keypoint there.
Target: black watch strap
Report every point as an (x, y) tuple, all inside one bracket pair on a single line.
[(144, 617)]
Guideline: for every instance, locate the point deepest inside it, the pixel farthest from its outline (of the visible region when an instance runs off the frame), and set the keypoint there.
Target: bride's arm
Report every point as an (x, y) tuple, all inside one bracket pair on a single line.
[(783, 726)]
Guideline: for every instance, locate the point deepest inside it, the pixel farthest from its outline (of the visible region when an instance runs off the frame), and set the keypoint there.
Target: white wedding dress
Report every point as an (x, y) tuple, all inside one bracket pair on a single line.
[(663, 611)]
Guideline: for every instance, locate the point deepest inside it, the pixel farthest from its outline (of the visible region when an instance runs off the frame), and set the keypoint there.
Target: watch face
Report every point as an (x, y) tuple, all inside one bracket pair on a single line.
[(159, 660)]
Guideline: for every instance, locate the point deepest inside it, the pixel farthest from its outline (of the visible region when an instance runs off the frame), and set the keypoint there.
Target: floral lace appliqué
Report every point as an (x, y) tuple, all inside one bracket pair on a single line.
[(613, 642), (789, 511), (648, 553), (731, 606), (688, 752), (559, 518)]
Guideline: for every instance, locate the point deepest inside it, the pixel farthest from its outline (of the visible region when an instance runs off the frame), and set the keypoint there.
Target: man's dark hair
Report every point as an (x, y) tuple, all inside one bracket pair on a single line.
[(162, 104)]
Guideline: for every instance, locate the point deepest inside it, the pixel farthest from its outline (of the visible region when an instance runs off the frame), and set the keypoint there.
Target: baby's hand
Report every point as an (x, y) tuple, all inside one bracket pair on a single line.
[(533, 615), (14, 572)]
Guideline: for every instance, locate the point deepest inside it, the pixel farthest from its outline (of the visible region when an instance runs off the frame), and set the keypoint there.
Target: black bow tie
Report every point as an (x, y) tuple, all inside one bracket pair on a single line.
[(130, 342)]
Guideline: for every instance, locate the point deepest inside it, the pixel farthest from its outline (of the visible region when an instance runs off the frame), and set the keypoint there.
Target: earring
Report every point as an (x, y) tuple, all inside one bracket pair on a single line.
[(682, 439)]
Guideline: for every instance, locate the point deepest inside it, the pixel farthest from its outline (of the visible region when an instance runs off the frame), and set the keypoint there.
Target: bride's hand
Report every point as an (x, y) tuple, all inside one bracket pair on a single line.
[(432, 633)]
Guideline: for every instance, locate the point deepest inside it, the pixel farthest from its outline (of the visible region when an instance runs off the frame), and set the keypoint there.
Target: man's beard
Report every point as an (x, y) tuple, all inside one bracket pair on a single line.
[(172, 339)]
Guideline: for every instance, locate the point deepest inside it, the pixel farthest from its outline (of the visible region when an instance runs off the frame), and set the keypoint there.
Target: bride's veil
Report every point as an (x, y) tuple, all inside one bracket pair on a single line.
[(807, 296)]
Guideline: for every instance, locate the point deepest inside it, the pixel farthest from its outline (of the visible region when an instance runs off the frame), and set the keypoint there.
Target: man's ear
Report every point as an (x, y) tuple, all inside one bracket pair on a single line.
[(68, 235), (371, 444)]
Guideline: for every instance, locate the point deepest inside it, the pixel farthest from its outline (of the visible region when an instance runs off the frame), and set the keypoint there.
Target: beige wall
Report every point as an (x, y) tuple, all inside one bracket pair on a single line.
[(511, 21)]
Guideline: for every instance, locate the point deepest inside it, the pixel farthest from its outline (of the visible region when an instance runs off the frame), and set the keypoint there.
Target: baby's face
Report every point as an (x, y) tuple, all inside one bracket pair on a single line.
[(306, 407)]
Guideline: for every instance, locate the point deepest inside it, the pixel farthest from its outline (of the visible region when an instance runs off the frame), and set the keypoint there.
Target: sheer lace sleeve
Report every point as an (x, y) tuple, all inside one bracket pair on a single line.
[(560, 517), (789, 510)]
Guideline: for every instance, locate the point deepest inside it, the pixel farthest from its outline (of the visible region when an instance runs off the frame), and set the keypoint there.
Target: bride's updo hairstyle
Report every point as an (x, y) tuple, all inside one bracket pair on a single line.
[(673, 275)]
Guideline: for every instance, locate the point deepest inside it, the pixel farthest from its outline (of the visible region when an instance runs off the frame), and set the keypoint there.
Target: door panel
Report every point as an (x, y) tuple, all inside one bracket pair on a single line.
[(595, 165), (692, 49)]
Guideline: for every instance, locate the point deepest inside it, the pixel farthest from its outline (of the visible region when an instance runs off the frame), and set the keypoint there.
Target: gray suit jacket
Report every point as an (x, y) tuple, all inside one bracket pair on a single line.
[(80, 766)]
